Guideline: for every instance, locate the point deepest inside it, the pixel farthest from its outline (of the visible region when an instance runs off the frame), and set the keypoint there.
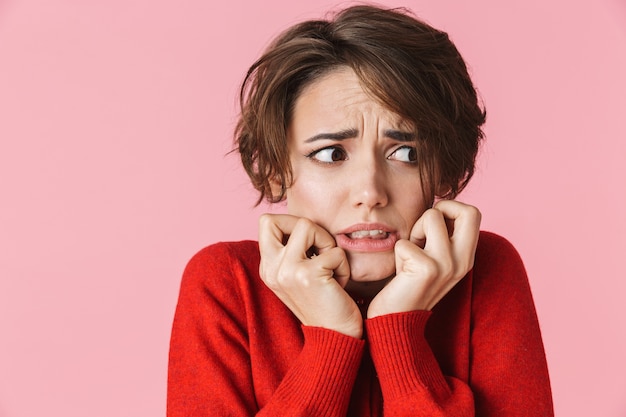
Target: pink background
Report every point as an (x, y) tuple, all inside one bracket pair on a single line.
[(115, 118)]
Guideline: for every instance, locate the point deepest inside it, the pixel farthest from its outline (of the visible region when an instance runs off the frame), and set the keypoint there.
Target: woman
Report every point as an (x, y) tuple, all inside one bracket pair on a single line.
[(376, 294)]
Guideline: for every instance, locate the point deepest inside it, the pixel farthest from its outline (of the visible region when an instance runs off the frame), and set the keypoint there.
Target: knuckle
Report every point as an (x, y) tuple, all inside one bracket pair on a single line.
[(303, 224), (474, 212), (337, 252), (402, 245), (290, 279), (301, 276), (432, 213), (281, 279), (265, 220)]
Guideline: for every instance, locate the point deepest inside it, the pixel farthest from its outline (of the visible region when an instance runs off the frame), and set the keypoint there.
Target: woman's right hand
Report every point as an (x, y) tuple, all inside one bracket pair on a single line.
[(310, 285)]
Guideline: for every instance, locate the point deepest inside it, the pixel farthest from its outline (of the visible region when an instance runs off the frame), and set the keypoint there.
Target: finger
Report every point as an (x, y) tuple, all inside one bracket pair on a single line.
[(305, 235), (466, 229), (416, 284), (409, 255), (273, 228), (466, 219), (418, 234), (464, 215), (335, 262), (431, 233)]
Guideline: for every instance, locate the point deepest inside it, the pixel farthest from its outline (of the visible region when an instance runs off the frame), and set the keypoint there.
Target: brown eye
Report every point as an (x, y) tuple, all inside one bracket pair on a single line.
[(329, 155), (404, 154)]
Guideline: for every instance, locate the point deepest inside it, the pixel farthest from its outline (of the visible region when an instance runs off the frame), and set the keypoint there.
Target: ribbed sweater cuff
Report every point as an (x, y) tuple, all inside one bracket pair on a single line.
[(324, 375), (402, 357)]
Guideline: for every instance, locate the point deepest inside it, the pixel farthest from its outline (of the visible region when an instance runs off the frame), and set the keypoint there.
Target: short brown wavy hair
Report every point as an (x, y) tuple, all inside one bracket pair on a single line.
[(413, 69)]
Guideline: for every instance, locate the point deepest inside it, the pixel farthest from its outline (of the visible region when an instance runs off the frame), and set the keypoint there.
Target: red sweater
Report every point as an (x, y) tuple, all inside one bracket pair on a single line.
[(236, 350)]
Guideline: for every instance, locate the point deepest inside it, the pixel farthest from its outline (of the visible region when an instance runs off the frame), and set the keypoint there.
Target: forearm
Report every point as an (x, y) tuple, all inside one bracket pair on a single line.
[(235, 350), (412, 381), (319, 383)]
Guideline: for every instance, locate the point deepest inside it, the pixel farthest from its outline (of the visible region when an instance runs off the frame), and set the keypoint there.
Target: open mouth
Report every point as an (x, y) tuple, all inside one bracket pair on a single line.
[(367, 238), (368, 234)]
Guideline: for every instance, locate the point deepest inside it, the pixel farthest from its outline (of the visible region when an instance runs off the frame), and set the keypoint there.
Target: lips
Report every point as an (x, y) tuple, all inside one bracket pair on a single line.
[(367, 237)]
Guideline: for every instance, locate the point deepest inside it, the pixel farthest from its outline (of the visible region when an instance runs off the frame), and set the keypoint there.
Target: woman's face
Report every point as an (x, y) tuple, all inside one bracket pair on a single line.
[(355, 172)]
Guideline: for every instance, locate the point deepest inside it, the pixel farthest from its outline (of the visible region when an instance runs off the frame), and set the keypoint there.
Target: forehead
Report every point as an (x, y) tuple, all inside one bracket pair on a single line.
[(337, 99)]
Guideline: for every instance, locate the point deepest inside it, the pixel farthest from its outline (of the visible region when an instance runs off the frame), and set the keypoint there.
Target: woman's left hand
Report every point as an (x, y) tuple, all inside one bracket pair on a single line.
[(438, 254)]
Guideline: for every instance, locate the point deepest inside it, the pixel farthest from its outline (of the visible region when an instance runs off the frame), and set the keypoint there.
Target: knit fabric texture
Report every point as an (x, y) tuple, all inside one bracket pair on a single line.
[(236, 350)]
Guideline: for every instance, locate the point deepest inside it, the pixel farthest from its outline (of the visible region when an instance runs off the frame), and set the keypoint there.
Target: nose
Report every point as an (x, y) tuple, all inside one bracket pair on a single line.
[(369, 187)]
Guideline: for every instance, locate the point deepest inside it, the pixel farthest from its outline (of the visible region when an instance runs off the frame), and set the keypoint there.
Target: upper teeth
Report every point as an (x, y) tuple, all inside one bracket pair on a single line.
[(365, 233)]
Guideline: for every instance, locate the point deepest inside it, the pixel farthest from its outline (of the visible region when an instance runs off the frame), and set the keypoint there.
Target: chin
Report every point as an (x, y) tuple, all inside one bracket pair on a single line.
[(372, 266)]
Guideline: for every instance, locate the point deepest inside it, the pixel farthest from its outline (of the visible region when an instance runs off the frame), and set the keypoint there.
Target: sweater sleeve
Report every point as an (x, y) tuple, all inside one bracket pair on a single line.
[(210, 371), (410, 377), (509, 373), (321, 380)]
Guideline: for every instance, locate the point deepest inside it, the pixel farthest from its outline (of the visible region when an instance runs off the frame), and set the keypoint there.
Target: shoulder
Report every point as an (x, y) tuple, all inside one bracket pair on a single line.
[(490, 243), (223, 263), (224, 254), (498, 266), (495, 250)]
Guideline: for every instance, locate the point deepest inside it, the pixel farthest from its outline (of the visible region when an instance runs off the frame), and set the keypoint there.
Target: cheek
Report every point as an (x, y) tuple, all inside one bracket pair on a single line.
[(314, 199), (410, 206)]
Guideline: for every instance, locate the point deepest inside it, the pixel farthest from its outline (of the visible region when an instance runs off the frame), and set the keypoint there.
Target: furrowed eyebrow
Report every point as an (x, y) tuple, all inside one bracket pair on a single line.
[(399, 135), (342, 135)]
